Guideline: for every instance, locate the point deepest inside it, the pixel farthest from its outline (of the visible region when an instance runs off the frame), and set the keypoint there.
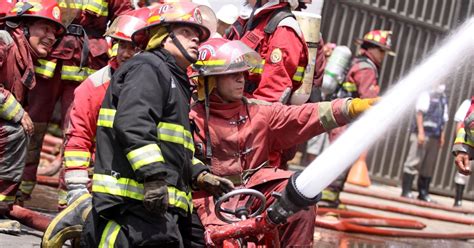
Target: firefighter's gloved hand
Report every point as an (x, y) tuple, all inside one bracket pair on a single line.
[(76, 183), (156, 196), (217, 186), (357, 105)]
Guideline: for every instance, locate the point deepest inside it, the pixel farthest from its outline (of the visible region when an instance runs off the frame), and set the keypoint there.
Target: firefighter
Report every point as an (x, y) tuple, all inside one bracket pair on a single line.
[(30, 32), (362, 80), (82, 51), (463, 150), (79, 146), (144, 167), (235, 137), (279, 41), (80, 135)]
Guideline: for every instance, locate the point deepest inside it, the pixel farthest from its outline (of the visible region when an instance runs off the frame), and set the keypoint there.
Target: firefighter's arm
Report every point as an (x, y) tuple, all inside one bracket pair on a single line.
[(463, 150), (10, 108), (291, 125), (281, 66), (79, 144), (320, 65), (366, 81), (140, 106)]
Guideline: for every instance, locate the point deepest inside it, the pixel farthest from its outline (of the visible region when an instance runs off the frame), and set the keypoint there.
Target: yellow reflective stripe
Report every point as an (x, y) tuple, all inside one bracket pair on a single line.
[(299, 74), (126, 187), (258, 69), (329, 195), (99, 7), (27, 187), (349, 86), (144, 156), (7, 198), (46, 68), (196, 161), (109, 235), (461, 138), (62, 197), (175, 133), (71, 5), (106, 117), (180, 199), (10, 108), (76, 158), (112, 52), (211, 62), (75, 73)]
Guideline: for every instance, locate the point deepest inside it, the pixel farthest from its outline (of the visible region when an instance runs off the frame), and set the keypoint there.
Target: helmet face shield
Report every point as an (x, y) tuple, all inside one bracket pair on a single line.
[(220, 56), (69, 10)]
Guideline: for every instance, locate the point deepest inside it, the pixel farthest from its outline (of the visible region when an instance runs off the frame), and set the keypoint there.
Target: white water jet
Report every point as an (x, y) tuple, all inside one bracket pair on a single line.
[(456, 51)]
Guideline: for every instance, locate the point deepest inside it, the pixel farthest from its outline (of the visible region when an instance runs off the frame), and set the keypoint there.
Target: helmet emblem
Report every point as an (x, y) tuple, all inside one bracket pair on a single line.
[(198, 16), (56, 13)]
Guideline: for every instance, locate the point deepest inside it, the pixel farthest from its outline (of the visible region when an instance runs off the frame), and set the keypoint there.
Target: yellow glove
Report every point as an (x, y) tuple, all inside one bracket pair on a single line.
[(357, 106)]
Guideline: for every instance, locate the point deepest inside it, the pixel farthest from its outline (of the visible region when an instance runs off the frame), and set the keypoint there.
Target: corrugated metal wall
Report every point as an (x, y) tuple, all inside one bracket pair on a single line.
[(418, 25)]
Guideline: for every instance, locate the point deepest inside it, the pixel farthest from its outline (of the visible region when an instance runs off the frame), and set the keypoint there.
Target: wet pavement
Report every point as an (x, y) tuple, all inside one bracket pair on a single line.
[(45, 199)]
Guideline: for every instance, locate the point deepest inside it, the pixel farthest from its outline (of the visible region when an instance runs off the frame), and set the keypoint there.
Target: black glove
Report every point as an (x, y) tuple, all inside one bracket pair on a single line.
[(156, 196), (217, 186)]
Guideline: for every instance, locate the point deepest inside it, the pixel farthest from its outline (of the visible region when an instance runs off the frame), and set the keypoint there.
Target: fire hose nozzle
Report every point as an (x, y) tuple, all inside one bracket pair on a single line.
[(289, 202)]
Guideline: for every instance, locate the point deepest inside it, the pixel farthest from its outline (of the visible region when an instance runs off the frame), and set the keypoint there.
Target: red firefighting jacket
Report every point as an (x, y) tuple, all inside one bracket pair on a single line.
[(16, 68), (80, 134), (284, 53), (362, 77), (243, 135), (93, 19), (463, 142)]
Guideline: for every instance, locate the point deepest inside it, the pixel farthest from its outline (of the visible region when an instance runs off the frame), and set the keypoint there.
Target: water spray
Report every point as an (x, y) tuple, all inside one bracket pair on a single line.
[(456, 51), (304, 189)]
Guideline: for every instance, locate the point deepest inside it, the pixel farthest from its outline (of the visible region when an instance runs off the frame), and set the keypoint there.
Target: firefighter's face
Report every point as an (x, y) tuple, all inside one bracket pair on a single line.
[(189, 39), (378, 54), (125, 51), (230, 87), (42, 36)]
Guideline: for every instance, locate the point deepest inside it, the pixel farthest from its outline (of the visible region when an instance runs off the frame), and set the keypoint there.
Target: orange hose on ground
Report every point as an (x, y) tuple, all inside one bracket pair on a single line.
[(48, 181), (366, 219), (46, 156), (413, 212), (29, 218), (345, 226), (371, 193), (52, 140)]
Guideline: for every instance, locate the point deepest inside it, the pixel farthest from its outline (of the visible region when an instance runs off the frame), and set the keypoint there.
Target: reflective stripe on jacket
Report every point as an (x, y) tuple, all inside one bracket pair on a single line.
[(143, 130)]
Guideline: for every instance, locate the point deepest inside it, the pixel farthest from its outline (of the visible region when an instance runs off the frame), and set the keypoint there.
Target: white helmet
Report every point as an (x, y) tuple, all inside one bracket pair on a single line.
[(228, 14)]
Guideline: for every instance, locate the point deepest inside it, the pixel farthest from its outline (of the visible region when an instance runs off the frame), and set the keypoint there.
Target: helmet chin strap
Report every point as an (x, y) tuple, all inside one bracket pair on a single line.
[(183, 51)]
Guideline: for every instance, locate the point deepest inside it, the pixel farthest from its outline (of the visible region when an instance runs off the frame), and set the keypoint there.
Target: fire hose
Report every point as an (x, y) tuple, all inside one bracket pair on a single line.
[(29, 218), (364, 219), (414, 212), (366, 192), (347, 226)]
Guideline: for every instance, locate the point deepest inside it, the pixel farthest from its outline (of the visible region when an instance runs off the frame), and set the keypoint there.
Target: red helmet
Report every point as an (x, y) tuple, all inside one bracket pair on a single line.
[(5, 7), (41, 9), (219, 56), (184, 13), (124, 25), (381, 38)]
